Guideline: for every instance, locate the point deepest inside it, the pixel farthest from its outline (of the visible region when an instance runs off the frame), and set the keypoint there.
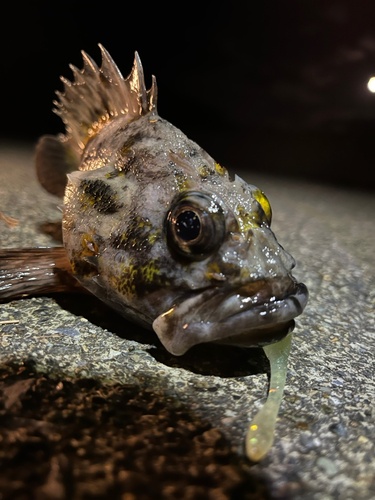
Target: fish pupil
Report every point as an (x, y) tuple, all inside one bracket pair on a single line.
[(188, 225)]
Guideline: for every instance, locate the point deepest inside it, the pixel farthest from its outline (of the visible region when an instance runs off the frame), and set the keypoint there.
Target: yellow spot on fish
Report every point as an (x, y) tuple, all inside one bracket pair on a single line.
[(89, 247), (246, 220), (213, 267), (254, 427), (264, 203), (213, 270), (149, 271), (143, 222), (152, 237), (116, 173), (203, 171), (181, 180), (219, 169), (73, 266)]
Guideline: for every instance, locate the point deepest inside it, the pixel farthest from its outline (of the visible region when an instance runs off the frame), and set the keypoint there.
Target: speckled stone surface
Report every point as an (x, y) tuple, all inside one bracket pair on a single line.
[(324, 446)]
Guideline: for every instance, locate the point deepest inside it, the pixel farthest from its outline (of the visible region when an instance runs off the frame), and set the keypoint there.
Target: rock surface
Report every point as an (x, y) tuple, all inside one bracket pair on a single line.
[(203, 401)]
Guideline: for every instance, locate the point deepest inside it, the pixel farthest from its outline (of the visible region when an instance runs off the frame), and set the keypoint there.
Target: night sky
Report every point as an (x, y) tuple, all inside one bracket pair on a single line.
[(274, 86)]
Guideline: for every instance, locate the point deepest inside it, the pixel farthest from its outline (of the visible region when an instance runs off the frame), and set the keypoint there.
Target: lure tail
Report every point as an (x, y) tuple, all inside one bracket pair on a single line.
[(35, 271), (261, 432)]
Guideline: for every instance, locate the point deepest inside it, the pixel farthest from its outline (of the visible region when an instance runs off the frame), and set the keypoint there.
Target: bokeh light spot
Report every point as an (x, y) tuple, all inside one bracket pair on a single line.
[(371, 84)]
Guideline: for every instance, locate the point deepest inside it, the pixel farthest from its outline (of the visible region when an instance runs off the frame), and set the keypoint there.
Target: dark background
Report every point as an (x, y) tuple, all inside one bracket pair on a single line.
[(275, 86)]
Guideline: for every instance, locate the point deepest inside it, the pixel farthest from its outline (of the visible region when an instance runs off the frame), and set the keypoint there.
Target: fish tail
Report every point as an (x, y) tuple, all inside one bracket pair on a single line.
[(35, 271)]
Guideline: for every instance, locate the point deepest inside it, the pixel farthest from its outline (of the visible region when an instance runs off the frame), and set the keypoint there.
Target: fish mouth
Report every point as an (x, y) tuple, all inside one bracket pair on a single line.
[(254, 314)]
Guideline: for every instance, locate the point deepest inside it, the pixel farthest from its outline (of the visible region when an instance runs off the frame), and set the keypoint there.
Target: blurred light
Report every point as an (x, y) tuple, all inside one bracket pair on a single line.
[(371, 84)]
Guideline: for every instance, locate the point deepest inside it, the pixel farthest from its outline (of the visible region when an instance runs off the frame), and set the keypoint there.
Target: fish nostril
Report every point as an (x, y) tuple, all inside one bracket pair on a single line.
[(235, 236)]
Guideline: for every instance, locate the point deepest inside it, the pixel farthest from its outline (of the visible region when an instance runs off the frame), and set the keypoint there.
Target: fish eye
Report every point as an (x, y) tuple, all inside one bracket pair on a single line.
[(188, 225), (195, 226)]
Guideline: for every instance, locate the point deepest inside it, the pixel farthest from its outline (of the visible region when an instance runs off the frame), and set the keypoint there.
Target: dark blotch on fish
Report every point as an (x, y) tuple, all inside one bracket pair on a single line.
[(99, 195)]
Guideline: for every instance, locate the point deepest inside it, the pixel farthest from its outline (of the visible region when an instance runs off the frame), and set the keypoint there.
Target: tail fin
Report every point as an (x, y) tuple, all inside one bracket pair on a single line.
[(35, 271)]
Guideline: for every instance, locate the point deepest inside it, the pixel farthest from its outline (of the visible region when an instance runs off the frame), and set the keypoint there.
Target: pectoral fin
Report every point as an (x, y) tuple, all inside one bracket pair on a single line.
[(53, 160)]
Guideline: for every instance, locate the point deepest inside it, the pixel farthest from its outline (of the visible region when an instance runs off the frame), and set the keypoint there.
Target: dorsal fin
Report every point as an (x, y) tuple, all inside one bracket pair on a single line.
[(97, 95)]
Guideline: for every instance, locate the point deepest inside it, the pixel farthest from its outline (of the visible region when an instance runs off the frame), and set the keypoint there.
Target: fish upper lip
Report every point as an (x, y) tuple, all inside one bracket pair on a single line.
[(293, 291), (219, 305), (210, 318)]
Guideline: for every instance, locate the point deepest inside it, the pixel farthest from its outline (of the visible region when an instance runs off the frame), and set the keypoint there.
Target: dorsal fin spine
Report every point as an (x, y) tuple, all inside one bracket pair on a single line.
[(77, 74), (137, 76), (152, 94), (89, 65)]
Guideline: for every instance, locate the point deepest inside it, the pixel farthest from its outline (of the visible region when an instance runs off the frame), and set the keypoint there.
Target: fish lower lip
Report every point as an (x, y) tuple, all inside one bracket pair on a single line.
[(252, 326), (261, 336)]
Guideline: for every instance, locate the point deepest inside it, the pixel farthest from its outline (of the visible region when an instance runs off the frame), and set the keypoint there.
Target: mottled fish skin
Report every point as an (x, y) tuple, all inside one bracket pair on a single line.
[(135, 175)]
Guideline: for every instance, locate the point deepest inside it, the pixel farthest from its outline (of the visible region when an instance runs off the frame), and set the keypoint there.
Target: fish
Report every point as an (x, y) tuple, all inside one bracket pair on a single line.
[(158, 230)]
